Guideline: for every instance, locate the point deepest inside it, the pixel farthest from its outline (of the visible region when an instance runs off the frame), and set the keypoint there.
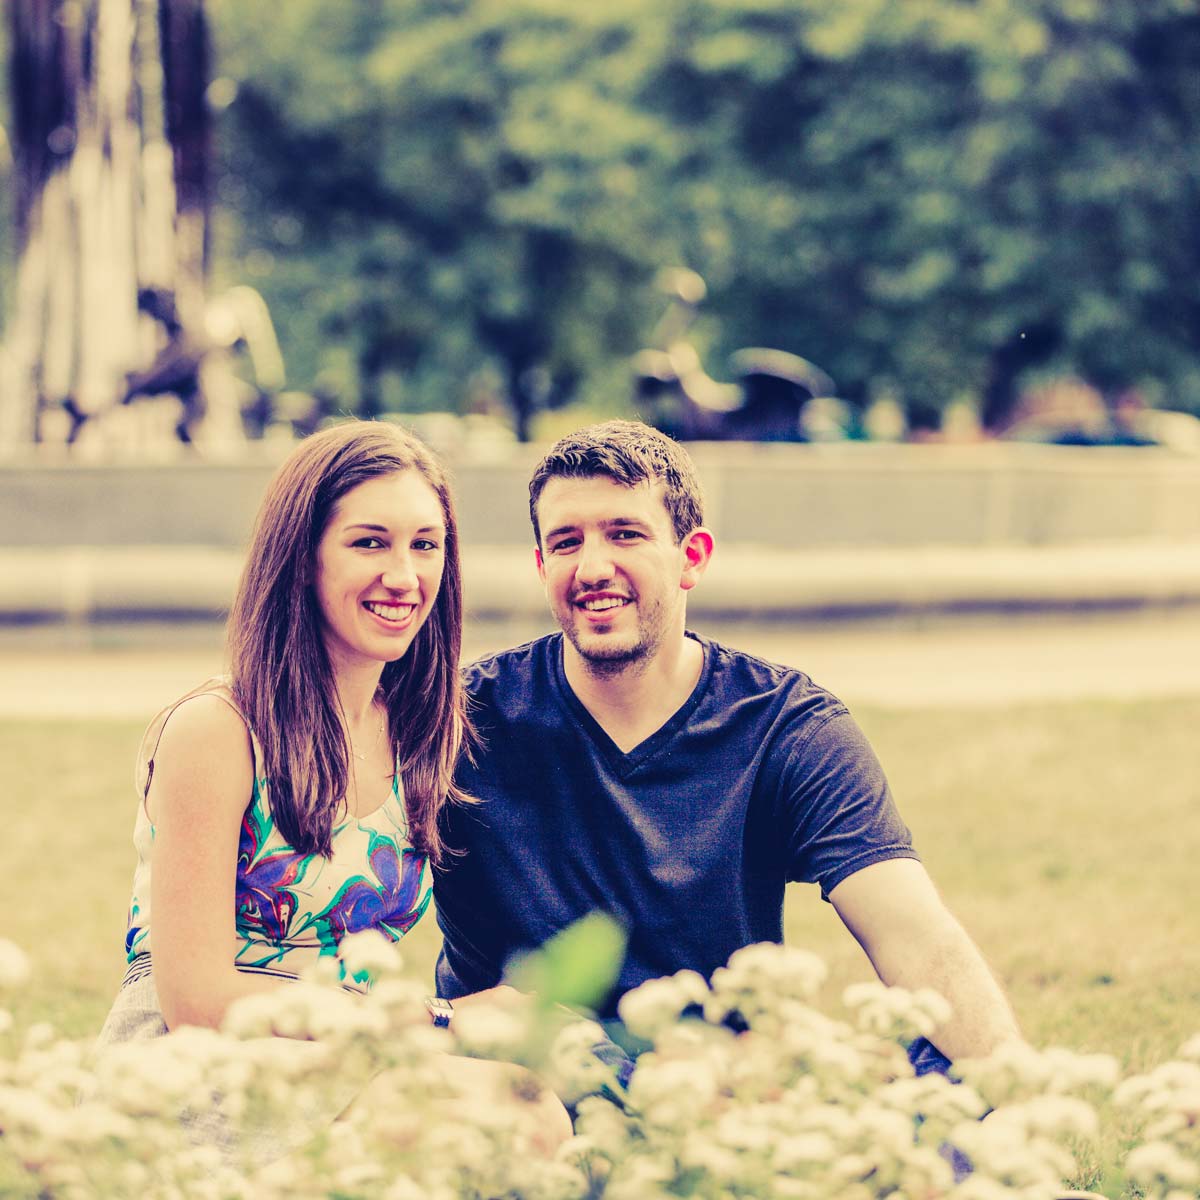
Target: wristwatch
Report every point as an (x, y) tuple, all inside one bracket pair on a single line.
[(440, 1011)]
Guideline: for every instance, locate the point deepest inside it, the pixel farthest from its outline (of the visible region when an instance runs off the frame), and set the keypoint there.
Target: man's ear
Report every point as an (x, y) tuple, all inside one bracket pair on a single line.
[(697, 550), (541, 566)]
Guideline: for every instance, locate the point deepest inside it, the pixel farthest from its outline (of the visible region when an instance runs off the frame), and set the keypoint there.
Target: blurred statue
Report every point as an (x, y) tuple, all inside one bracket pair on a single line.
[(675, 393), (197, 367)]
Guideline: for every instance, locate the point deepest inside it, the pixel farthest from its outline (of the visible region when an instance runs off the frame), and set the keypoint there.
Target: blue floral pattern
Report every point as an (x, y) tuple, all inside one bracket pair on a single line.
[(291, 908)]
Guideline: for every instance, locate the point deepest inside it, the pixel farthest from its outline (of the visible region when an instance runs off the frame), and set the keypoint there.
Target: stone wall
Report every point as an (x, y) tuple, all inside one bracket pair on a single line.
[(784, 496)]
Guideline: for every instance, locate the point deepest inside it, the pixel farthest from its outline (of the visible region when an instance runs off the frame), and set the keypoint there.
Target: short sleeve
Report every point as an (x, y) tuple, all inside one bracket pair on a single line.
[(835, 805)]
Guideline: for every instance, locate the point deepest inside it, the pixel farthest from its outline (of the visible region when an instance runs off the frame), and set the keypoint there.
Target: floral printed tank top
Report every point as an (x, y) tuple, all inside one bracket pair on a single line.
[(291, 908)]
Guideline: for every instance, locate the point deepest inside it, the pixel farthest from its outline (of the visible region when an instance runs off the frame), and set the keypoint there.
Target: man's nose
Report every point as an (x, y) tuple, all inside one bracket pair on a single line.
[(595, 561)]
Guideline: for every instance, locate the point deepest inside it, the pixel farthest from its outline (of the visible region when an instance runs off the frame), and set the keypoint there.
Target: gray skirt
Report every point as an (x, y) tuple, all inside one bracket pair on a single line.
[(247, 1141)]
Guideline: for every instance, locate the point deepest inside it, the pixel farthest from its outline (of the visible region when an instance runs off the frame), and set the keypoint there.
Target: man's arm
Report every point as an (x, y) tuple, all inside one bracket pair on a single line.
[(914, 941)]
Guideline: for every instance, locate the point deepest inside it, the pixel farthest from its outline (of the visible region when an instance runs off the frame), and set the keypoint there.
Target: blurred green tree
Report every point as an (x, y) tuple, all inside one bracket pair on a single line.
[(445, 184), (938, 196), (929, 197)]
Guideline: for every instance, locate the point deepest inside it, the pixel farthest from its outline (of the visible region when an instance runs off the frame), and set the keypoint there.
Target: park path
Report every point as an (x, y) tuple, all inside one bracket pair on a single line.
[(913, 663)]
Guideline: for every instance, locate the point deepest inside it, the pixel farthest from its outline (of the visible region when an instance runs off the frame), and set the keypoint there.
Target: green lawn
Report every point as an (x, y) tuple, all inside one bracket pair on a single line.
[(1063, 835)]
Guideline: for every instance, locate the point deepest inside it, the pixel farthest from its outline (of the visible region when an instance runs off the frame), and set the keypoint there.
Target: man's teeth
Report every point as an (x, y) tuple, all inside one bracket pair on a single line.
[(391, 612), (603, 603)]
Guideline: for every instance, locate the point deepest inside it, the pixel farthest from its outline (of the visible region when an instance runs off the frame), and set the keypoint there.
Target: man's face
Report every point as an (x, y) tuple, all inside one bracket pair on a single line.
[(614, 574)]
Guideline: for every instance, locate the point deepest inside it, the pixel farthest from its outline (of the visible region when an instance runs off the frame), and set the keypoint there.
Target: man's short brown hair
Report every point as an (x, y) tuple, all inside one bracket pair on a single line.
[(627, 452)]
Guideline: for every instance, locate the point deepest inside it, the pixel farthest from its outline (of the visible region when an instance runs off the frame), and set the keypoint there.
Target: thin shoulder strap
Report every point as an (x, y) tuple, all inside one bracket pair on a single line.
[(143, 770)]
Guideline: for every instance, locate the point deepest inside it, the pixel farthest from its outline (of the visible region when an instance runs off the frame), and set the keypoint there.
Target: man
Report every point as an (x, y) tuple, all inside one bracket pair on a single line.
[(629, 766)]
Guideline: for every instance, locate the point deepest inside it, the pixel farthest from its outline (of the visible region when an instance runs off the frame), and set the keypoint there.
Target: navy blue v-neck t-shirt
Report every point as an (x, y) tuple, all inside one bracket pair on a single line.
[(762, 777)]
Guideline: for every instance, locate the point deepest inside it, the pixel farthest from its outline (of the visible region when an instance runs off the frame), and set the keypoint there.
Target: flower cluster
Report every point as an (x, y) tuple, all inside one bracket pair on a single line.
[(746, 1091), (1167, 1165)]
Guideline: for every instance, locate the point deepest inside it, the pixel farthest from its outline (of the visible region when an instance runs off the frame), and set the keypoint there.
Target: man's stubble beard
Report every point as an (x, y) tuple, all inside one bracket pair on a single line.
[(608, 661)]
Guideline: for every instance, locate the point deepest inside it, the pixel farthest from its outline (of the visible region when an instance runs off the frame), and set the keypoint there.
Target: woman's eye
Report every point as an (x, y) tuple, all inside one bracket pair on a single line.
[(424, 544), (367, 543)]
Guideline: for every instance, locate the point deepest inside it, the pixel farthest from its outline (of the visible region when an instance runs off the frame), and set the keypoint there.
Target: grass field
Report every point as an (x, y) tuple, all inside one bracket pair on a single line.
[(1063, 835)]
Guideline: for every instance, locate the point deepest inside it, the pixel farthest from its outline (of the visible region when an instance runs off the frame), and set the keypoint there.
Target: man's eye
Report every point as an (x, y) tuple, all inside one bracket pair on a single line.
[(626, 535), (565, 544)]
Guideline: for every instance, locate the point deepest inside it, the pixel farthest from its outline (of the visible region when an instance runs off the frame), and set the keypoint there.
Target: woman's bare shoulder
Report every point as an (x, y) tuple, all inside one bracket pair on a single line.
[(204, 746)]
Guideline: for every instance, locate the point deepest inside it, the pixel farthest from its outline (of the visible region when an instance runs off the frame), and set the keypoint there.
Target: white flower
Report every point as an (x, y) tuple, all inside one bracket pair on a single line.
[(1013, 1067), (558, 1179), (748, 1127), (302, 1010), (604, 1125), (640, 1178), (1190, 1049), (981, 1187), (1160, 1161), (655, 1005), (1051, 1116), (885, 1129), (14, 965), (401, 1001), (39, 1036), (368, 955), (490, 1030), (1071, 1072), (770, 970), (801, 1151), (895, 1012), (404, 1188), (671, 1093), (575, 1070), (925, 1172)]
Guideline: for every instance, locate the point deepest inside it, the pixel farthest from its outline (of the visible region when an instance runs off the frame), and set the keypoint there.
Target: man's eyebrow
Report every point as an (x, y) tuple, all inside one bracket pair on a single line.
[(609, 523)]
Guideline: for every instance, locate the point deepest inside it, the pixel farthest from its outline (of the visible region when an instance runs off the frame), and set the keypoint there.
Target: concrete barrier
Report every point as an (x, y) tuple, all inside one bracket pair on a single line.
[(802, 531), (775, 495)]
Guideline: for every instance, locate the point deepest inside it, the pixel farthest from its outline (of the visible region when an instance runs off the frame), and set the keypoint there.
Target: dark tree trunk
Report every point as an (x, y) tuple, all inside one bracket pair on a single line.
[(111, 201)]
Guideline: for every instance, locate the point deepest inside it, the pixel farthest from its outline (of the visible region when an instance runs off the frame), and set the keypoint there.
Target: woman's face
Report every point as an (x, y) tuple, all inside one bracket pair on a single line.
[(379, 567)]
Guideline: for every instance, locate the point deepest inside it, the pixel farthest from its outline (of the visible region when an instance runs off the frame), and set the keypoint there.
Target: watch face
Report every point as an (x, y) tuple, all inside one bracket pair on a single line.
[(439, 1010)]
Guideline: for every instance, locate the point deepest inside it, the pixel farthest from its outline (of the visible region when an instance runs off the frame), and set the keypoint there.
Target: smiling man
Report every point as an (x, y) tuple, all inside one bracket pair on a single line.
[(631, 766)]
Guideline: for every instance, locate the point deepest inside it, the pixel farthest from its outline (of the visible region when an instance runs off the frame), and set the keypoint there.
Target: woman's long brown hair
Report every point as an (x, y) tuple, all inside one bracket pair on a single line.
[(281, 672)]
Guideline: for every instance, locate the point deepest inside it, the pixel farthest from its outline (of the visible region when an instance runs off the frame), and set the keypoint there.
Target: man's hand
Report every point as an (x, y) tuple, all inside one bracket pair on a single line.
[(914, 941), (501, 996)]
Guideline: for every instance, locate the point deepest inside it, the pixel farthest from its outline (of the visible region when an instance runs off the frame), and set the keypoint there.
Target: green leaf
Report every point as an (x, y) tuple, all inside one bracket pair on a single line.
[(576, 968)]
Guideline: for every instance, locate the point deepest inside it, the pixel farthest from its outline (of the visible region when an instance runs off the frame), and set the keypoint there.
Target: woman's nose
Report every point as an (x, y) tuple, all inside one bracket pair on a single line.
[(399, 573)]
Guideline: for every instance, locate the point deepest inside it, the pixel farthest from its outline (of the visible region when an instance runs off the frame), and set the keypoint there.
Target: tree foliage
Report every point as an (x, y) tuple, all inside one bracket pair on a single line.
[(938, 197)]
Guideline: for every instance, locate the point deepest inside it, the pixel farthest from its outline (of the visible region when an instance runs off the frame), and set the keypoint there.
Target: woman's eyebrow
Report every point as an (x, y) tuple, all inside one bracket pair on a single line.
[(384, 529)]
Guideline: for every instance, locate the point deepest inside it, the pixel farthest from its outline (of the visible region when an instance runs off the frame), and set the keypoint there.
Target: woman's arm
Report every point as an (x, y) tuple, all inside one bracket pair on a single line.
[(203, 776)]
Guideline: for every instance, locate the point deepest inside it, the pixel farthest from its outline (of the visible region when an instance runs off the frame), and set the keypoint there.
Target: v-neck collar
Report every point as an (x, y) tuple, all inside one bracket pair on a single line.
[(621, 763)]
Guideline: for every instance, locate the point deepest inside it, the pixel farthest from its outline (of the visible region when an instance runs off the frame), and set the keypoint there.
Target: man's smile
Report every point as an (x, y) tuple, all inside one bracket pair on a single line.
[(601, 602)]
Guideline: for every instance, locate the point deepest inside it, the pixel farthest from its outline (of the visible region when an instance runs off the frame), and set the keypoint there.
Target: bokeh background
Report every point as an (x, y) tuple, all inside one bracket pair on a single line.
[(965, 213)]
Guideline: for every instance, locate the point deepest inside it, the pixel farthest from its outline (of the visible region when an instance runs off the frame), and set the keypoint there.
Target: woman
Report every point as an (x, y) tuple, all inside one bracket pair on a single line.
[(298, 800)]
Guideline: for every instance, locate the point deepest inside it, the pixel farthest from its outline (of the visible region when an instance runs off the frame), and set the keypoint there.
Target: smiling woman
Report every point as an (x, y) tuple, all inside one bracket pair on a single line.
[(379, 568), (296, 800)]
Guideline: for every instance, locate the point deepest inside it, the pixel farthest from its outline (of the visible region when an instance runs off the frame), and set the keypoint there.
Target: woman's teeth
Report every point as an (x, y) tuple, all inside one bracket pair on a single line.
[(390, 612)]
